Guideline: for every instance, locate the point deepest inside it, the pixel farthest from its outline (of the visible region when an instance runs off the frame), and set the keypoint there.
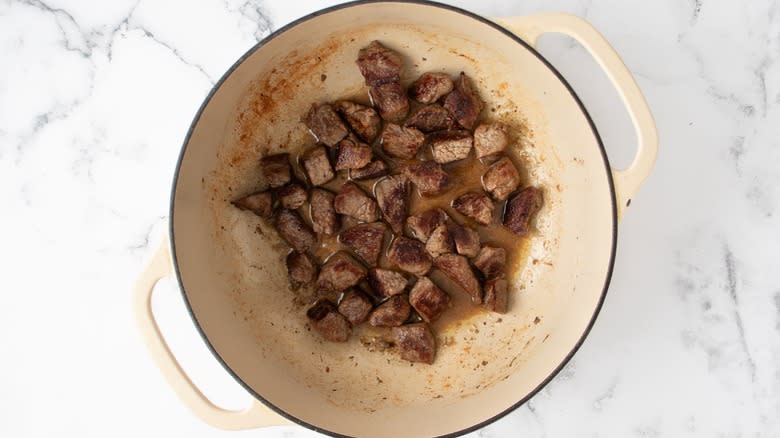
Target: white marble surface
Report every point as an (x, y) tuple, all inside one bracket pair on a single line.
[(95, 99)]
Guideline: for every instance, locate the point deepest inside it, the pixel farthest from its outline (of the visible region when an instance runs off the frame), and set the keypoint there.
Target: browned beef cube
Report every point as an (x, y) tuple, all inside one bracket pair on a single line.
[(440, 242), (430, 87), (301, 269), (466, 240), (386, 282), (477, 206), (501, 179), (325, 124), (464, 103), (352, 154), (431, 118), (294, 230), (422, 224), (391, 100), (317, 166), (457, 269), (323, 214), (363, 120), (378, 64), (392, 195), (355, 306), (340, 272), (430, 178), (365, 240), (415, 342), (409, 255), (401, 142), (292, 196), (391, 313), (375, 169), (449, 146), (276, 169), (521, 209), (491, 261), (326, 319), (428, 300), (354, 202), (490, 139), (260, 203), (496, 295)]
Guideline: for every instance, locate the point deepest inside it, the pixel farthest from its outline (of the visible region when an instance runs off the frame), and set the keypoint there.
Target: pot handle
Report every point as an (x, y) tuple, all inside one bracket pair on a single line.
[(627, 181), (256, 415)]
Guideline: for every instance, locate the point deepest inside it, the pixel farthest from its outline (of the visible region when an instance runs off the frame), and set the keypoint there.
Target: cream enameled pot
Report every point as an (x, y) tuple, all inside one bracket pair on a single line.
[(233, 279)]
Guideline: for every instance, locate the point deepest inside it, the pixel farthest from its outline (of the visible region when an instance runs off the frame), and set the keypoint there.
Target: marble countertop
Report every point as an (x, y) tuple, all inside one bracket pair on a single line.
[(95, 99)]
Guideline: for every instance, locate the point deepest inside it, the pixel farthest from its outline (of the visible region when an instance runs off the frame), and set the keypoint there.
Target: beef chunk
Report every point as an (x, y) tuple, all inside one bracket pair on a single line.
[(292, 195), (490, 139), (260, 203), (352, 154), (521, 209), (466, 240), (457, 269), (354, 202), (496, 295), (340, 272), (429, 177), (301, 269), (276, 169), (391, 313), (365, 240), (409, 255), (378, 64), (326, 319), (375, 169), (294, 230), (401, 142), (392, 195), (477, 206), (323, 214), (386, 282), (431, 118), (501, 179), (422, 224), (428, 300), (363, 120), (491, 261), (430, 87), (440, 242), (449, 146), (415, 342), (317, 166), (325, 124), (391, 100), (355, 306), (464, 103)]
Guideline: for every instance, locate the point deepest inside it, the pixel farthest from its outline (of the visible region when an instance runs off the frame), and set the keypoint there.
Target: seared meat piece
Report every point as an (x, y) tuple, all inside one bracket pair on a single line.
[(422, 224), (428, 300), (501, 179), (340, 272), (391, 313), (352, 154), (466, 240), (449, 146), (496, 295), (292, 195), (440, 242), (491, 261), (326, 319), (355, 306), (431, 118), (392, 195), (260, 203), (415, 342), (391, 100), (477, 206), (276, 169), (374, 169), (354, 202), (317, 166), (323, 214), (378, 64), (521, 208), (294, 230), (457, 269), (325, 124), (430, 87), (301, 269), (365, 240), (401, 142), (490, 139), (429, 177), (464, 103), (386, 282), (363, 120), (409, 255)]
